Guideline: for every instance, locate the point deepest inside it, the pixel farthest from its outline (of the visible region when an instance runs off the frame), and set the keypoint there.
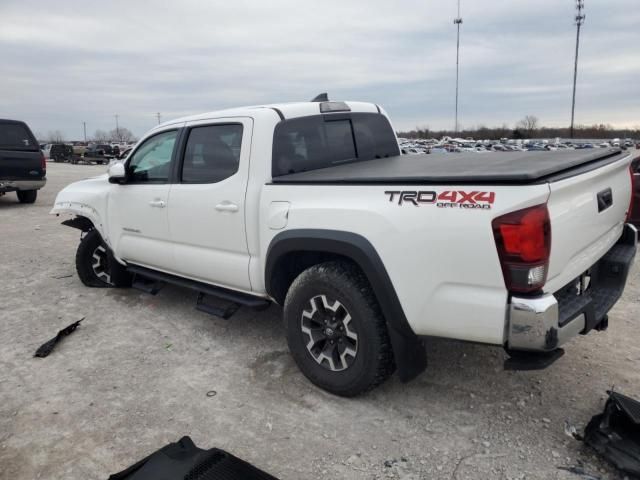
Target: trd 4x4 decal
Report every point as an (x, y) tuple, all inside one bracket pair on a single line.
[(446, 199)]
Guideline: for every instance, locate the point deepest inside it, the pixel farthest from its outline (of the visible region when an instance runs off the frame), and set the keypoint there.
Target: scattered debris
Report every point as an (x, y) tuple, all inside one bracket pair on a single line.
[(211, 393), (58, 277), (183, 460), (46, 348), (581, 472), (571, 431), (615, 433)]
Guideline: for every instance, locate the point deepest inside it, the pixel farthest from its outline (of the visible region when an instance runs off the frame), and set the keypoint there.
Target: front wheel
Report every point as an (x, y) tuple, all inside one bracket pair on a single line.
[(96, 266), (335, 329)]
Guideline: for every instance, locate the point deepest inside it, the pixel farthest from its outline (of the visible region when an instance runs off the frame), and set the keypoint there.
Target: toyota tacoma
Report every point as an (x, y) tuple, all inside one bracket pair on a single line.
[(311, 206)]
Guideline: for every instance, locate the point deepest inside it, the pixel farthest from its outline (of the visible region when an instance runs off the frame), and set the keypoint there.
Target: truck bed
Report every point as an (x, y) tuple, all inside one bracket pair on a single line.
[(460, 168)]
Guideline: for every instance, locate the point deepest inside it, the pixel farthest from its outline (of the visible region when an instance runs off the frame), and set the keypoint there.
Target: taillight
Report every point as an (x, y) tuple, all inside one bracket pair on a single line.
[(43, 162), (523, 239)]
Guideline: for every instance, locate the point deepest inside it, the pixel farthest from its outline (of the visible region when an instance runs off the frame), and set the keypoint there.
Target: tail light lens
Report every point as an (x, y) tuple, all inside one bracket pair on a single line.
[(523, 239), (43, 162)]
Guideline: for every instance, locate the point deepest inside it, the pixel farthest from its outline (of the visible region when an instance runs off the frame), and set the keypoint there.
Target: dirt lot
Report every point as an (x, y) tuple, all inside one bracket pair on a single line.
[(135, 376)]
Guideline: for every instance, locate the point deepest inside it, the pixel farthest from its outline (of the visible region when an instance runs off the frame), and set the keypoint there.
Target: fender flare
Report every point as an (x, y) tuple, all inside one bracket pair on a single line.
[(408, 348)]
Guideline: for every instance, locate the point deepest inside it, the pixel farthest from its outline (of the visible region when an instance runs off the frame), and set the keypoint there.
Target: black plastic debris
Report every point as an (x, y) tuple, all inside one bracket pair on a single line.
[(615, 433), (184, 461), (46, 348)]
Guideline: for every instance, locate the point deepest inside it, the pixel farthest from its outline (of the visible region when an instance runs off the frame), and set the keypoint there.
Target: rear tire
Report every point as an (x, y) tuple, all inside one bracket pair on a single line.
[(27, 196), (96, 266), (335, 329)]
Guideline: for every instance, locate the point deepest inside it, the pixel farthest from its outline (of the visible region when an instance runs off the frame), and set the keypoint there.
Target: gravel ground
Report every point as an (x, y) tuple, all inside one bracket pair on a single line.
[(136, 374)]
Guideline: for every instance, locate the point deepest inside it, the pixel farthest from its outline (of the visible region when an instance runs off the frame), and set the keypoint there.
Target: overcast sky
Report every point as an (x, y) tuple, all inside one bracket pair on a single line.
[(67, 61)]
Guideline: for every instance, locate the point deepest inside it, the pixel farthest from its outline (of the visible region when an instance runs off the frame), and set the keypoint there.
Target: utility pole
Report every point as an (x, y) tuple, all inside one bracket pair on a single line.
[(457, 22), (84, 128), (117, 127), (158, 115), (579, 21)]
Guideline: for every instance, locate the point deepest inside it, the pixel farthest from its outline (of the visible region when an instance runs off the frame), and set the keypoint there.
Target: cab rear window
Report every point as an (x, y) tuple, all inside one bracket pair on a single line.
[(16, 136), (320, 141)]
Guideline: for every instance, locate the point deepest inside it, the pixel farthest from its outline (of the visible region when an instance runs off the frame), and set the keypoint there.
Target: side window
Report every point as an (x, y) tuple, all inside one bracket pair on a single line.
[(151, 162), (212, 153)]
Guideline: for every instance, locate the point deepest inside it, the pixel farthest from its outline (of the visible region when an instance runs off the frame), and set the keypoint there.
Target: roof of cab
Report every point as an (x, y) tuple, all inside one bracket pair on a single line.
[(288, 110)]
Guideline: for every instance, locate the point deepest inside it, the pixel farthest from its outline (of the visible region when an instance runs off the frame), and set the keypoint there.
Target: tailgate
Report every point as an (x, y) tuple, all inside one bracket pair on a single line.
[(587, 213), (20, 156), (20, 165)]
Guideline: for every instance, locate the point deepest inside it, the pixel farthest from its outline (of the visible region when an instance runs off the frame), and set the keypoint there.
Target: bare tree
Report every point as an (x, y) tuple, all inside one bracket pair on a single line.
[(101, 136), (121, 134), (528, 125), (55, 136)]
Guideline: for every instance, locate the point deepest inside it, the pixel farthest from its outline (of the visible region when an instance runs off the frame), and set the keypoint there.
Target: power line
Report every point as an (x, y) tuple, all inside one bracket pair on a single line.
[(579, 21), (457, 22)]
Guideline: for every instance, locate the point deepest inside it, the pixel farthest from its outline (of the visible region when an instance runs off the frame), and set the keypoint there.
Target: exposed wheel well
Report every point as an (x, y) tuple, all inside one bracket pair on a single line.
[(79, 222), (290, 265)]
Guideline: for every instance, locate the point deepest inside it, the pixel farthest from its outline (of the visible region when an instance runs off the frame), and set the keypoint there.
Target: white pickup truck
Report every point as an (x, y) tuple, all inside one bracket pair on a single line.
[(311, 206)]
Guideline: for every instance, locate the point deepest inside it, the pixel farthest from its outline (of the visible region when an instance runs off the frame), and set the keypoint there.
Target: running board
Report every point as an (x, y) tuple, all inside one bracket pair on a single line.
[(146, 285), (225, 312), (236, 299)]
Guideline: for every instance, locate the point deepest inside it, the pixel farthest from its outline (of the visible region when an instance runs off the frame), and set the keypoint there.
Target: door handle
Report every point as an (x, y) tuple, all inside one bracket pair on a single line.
[(227, 207), (157, 203)]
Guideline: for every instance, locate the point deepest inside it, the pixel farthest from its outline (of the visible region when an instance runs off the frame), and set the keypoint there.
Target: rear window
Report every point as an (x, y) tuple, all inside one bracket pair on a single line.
[(320, 141), (16, 136)]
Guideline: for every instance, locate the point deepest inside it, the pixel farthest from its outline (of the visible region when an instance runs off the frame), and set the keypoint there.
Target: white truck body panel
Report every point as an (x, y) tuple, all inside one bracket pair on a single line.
[(425, 248)]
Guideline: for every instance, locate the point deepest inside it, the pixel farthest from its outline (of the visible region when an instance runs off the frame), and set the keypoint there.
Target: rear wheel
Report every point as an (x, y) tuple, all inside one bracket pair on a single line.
[(335, 329), (96, 266), (27, 196)]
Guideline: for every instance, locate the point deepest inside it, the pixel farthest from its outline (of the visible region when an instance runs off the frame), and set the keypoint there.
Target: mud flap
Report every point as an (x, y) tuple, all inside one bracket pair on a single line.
[(615, 433), (409, 353)]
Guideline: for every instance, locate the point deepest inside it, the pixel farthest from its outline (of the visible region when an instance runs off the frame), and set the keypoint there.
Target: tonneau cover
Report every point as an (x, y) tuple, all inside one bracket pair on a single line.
[(459, 168)]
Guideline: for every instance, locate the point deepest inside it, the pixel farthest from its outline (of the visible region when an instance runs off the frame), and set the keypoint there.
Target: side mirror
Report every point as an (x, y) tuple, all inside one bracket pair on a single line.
[(117, 173)]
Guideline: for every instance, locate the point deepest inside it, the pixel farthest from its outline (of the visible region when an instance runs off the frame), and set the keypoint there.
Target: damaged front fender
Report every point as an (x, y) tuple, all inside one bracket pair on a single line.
[(86, 199)]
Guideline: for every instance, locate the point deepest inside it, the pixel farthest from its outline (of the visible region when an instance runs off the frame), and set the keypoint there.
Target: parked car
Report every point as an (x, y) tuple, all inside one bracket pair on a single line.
[(59, 152), (23, 167), (125, 153), (98, 153), (367, 250), (101, 149)]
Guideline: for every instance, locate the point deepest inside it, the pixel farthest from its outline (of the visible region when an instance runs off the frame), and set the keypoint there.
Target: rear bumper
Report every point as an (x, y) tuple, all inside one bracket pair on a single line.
[(543, 323), (15, 185)]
